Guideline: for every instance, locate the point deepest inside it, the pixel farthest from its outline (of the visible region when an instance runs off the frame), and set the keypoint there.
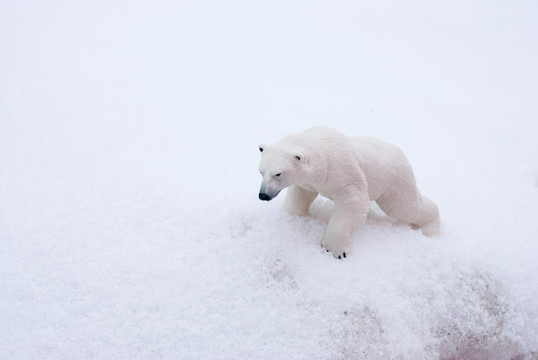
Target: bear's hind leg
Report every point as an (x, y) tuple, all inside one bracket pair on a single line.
[(430, 221), (413, 208), (298, 200)]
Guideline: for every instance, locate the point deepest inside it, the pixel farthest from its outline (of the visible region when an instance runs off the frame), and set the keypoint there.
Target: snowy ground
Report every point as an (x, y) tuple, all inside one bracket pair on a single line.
[(129, 221)]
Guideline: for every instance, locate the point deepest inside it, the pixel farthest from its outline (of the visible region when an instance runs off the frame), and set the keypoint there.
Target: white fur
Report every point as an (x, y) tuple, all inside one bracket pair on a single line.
[(351, 171)]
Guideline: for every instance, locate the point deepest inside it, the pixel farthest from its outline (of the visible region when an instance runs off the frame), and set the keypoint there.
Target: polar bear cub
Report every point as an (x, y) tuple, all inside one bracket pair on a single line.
[(351, 171)]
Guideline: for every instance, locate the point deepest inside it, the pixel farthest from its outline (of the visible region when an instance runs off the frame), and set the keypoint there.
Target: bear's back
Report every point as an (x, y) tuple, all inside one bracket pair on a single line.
[(383, 164)]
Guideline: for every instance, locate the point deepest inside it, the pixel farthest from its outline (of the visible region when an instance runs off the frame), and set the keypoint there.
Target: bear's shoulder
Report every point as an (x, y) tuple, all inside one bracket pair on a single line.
[(316, 136), (322, 131)]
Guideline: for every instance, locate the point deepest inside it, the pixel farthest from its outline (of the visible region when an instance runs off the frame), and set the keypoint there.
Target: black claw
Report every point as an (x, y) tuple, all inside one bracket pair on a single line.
[(326, 250), (344, 255), (339, 257)]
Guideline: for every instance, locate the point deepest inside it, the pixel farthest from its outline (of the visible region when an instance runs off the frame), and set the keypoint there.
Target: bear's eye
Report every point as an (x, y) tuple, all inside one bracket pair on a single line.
[(278, 174)]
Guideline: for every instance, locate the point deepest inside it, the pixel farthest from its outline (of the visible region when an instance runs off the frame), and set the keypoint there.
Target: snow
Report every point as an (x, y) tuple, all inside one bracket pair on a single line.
[(129, 221)]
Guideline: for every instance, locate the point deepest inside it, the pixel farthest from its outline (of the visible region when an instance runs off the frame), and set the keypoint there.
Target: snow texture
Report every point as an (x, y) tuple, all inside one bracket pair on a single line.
[(129, 221)]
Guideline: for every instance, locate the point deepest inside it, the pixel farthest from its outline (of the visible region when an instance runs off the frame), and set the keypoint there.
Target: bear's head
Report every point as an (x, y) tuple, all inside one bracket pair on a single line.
[(280, 167)]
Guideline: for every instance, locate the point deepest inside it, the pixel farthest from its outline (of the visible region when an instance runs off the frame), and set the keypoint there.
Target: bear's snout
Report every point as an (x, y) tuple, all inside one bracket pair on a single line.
[(264, 196)]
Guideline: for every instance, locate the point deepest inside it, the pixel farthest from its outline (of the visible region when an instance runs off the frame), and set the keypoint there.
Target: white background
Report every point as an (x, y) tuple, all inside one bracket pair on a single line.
[(129, 221)]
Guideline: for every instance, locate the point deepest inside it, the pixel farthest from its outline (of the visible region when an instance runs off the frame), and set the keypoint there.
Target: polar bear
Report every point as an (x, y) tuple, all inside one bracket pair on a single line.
[(351, 171)]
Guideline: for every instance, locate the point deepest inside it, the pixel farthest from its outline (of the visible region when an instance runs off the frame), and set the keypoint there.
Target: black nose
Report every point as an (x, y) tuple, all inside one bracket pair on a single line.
[(265, 197)]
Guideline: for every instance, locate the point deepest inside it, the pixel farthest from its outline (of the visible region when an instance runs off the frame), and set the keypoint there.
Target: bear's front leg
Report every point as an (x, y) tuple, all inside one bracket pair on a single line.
[(298, 200), (348, 216)]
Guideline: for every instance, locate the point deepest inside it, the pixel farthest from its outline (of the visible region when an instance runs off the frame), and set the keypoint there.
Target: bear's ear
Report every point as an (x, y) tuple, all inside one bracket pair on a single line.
[(300, 156), (261, 147)]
